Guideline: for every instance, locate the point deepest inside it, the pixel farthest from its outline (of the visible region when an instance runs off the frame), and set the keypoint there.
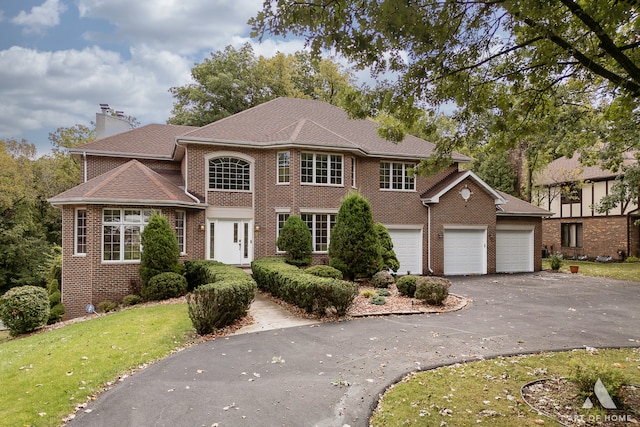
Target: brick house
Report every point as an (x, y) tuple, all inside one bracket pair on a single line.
[(576, 229), (228, 188)]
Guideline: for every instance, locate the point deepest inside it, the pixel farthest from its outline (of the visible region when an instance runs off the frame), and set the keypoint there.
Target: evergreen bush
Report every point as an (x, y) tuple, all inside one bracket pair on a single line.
[(24, 309), (106, 306), (382, 279), (131, 299), (324, 271), (407, 285), (57, 309), (164, 286), (432, 290), (296, 240), (161, 253), (354, 247), (389, 258)]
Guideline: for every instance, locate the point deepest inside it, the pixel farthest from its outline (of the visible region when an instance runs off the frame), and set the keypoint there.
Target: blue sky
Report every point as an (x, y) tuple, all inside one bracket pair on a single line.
[(59, 59)]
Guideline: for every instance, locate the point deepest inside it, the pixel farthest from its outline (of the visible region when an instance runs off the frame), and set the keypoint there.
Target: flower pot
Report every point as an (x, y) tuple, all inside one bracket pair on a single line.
[(574, 268)]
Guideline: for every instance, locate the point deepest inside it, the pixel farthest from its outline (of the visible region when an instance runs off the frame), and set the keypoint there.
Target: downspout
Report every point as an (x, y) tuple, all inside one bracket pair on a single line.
[(186, 176), (429, 238), (84, 157)]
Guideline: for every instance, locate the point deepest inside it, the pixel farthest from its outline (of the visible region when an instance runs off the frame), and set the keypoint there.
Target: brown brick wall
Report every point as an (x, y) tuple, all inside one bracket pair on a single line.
[(601, 236), (452, 210)]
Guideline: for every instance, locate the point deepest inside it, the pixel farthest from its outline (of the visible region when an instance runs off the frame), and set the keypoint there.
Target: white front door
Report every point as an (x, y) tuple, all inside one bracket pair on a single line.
[(231, 241)]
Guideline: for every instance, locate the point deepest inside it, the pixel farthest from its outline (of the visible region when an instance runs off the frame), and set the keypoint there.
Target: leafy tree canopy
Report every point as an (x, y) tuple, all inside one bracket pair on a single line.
[(233, 80)]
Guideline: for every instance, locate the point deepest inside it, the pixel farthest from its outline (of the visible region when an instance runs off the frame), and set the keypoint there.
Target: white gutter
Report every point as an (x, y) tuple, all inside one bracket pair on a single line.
[(429, 238)]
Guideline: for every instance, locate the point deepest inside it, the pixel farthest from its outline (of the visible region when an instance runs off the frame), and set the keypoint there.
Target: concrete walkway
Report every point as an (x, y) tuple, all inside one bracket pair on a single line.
[(332, 374), (268, 315)]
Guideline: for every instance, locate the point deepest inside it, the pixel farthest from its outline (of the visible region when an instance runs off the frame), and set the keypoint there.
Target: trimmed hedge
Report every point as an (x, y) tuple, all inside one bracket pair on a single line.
[(324, 271), (222, 294), (314, 294), (24, 309), (164, 286)]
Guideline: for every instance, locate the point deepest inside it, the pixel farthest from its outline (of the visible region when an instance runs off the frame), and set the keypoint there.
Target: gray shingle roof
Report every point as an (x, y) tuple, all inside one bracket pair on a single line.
[(150, 141), (518, 207), (290, 121), (567, 169), (131, 183)]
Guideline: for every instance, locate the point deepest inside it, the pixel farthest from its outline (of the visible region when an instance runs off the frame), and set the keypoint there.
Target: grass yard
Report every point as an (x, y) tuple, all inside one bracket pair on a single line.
[(488, 392), (612, 270), (45, 376)]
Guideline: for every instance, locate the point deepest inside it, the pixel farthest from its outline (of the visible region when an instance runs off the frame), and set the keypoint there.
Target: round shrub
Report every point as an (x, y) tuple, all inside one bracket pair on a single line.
[(382, 279), (407, 285), (368, 293), (432, 290), (164, 286), (378, 300), (324, 271), (24, 309), (131, 299), (56, 313), (384, 292), (106, 306)]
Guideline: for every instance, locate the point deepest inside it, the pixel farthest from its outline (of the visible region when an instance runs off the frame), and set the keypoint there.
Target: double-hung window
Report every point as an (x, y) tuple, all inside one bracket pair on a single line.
[(282, 218), (320, 168), (396, 176), (320, 226), (284, 167), (121, 229), (80, 246), (229, 173), (181, 230)]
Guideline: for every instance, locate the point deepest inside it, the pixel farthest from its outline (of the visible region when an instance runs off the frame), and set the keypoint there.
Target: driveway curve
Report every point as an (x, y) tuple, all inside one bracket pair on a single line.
[(331, 374)]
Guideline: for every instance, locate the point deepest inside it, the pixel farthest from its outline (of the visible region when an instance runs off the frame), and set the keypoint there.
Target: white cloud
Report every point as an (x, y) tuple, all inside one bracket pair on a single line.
[(41, 17), (185, 27), (63, 88)]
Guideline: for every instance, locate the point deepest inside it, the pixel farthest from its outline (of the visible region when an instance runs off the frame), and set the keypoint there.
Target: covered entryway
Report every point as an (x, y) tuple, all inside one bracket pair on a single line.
[(465, 251), (231, 241), (407, 244), (514, 250)]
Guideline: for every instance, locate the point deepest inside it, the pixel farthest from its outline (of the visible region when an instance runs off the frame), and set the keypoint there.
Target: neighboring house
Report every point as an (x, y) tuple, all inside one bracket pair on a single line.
[(577, 229), (228, 187)]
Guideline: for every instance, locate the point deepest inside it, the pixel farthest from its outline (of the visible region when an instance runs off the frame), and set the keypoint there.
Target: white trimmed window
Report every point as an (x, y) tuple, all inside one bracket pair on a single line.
[(229, 173), (284, 167), (121, 229), (395, 176), (320, 226), (353, 172), (322, 169), (80, 241), (181, 230)]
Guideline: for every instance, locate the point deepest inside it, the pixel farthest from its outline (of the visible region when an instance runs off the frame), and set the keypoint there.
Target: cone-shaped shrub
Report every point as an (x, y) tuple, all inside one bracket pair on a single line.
[(354, 248), (296, 240), (160, 253), (389, 258)]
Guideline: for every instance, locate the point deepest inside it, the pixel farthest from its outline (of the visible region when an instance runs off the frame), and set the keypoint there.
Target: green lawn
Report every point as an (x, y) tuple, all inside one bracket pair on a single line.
[(488, 392), (613, 270), (45, 376)]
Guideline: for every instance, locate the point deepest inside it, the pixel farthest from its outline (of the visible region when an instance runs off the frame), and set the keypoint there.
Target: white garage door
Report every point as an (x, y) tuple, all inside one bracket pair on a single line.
[(514, 251), (465, 251), (407, 244)]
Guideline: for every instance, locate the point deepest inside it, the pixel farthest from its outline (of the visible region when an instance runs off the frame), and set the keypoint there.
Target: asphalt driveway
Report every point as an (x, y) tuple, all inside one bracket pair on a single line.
[(332, 374)]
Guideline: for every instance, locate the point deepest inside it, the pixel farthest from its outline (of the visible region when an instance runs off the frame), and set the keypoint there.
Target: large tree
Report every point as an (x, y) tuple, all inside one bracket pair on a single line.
[(234, 80), (504, 58)]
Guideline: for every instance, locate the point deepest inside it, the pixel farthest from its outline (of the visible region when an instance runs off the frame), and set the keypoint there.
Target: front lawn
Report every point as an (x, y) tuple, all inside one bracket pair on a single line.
[(46, 375), (612, 270), (488, 392)]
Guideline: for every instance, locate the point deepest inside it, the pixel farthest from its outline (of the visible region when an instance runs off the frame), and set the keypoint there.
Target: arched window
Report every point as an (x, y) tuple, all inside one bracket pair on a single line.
[(229, 173)]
